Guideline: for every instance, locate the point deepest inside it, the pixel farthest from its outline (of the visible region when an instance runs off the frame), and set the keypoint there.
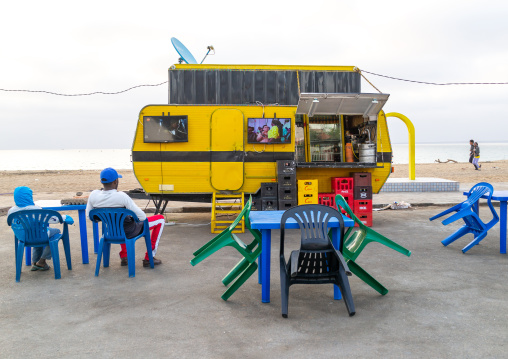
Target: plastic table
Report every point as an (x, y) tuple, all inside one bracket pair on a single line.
[(502, 197), (265, 221), (82, 230)]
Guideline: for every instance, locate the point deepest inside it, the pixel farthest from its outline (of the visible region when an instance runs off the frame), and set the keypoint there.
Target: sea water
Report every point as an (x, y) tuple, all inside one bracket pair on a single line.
[(93, 159)]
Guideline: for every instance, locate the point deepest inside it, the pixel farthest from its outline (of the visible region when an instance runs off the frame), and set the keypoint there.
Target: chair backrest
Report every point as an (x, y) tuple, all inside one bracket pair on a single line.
[(341, 202), (478, 190), (112, 221), (31, 226), (313, 222), (246, 209)]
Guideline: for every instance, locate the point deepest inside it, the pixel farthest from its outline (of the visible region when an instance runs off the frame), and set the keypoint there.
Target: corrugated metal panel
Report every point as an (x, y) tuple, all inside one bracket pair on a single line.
[(240, 87)]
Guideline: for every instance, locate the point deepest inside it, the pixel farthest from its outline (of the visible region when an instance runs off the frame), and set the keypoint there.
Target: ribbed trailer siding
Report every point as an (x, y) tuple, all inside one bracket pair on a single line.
[(241, 87)]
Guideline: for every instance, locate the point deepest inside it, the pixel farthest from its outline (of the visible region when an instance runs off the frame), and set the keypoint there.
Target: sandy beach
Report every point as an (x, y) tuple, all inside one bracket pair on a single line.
[(65, 184)]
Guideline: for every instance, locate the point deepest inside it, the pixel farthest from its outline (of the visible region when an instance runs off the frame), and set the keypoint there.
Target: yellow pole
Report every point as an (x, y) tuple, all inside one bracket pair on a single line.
[(411, 133)]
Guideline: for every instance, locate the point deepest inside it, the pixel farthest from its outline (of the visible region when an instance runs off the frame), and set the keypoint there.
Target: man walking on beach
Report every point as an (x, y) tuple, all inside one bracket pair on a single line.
[(476, 156), (471, 151), (109, 197)]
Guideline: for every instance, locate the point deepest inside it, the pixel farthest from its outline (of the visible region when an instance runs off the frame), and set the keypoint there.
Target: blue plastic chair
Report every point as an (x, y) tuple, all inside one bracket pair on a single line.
[(113, 233), (31, 230), (467, 211)]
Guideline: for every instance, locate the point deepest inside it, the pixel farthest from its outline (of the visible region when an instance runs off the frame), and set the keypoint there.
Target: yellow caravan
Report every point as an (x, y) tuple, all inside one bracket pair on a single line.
[(225, 126)]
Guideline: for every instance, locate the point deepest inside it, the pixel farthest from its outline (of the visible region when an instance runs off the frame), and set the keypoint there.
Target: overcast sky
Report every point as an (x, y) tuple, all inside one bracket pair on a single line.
[(110, 46)]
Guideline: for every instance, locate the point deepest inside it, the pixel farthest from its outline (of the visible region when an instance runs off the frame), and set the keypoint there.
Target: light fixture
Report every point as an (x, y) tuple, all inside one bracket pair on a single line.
[(313, 107)]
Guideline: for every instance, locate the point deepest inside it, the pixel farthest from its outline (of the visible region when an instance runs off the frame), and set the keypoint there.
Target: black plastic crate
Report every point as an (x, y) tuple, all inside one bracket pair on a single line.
[(288, 194), (362, 192), (269, 189), (286, 167), (287, 180), (284, 205), (362, 179), (269, 204)]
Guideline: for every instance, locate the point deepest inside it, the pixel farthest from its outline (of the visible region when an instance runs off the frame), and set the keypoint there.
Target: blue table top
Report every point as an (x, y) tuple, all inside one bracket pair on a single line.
[(67, 207), (497, 196), (271, 220)]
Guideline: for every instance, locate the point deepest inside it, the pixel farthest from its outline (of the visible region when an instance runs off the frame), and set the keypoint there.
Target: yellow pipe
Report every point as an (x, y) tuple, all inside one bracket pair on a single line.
[(411, 133)]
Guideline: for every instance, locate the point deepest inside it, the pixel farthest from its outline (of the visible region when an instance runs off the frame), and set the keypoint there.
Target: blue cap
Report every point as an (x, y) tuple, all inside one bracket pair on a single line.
[(109, 174)]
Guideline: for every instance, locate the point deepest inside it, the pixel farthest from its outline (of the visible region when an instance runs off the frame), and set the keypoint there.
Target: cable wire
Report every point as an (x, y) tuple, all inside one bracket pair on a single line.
[(436, 83), (84, 94)]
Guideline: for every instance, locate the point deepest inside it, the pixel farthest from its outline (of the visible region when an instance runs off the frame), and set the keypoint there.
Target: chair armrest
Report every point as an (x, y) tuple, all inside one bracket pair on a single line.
[(343, 263)]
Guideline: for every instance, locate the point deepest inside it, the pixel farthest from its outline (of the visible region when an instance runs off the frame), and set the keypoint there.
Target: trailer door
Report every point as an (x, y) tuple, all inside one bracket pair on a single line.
[(227, 150)]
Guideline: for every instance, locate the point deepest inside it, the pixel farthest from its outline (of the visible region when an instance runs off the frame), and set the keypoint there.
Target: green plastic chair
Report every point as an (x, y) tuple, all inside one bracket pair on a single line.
[(245, 267), (355, 242)]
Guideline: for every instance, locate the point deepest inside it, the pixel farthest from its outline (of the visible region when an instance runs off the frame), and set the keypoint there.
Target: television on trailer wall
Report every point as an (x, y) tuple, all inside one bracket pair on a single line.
[(161, 129), (269, 130)]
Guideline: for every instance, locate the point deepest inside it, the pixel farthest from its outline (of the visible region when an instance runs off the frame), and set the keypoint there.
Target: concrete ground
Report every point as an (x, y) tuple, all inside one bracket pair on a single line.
[(441, 304)]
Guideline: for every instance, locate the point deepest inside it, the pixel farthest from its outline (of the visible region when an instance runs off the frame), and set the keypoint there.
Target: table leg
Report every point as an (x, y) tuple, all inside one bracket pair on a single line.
[(260, 269), (502, 224), (83, 235), (335, 241), (95, 236), (28, 256), (266, 243)]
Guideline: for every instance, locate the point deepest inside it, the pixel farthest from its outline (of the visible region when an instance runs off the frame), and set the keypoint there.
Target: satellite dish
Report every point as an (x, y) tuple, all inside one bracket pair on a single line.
[(185, 54)]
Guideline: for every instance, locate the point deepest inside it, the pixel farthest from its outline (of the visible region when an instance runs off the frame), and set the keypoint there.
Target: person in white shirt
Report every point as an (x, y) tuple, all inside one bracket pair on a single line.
[(109, 197)]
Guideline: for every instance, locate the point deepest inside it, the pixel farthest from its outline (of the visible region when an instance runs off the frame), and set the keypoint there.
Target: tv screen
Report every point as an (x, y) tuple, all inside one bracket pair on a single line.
[(165, 129), (269, 130)]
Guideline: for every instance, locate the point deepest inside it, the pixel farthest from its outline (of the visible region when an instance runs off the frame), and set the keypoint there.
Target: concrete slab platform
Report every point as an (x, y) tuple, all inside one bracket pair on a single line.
[(420, 184)]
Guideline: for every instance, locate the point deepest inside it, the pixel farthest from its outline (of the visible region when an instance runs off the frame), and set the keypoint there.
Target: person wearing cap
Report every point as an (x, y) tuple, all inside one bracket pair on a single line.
[(110, 197)]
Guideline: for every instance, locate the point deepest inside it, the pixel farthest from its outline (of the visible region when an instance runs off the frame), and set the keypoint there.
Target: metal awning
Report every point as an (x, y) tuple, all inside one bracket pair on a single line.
[(365, 104)]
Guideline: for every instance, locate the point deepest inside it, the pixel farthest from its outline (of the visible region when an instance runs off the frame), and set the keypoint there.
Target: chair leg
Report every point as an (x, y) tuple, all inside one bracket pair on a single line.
[(459, 233), (106, 254), (389, 243), (19, 260), (99, 256), (236, 271), (366, 277), (208, 244), (149, 250), (131, 258), (238, 283), (284, 290), (474, 242), (55, 254), (208, 251), (343, 284)]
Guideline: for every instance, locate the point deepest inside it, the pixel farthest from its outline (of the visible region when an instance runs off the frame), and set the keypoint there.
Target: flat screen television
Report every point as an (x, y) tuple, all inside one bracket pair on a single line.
[(269, 130), (161, 129)]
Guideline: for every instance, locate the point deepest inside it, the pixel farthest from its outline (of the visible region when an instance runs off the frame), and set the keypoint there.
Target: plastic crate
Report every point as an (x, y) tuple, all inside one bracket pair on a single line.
[(287, 180), (362, 179), (327, 199), (362, 206), (342, 183), (364, 192), (284, 205), (308, 198), (288, 194), (269, 190), (286, 167), (365, 218), (269, 204), (308, 186)]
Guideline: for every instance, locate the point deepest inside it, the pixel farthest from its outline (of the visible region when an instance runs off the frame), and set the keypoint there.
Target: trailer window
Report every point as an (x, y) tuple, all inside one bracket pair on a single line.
[(299, 139), (325, 137)]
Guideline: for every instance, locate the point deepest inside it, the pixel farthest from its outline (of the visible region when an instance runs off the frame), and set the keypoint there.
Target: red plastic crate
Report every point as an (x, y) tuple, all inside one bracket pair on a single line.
[(342, 183), (327, 199), (349, 201), (365, 218), (363, 206)]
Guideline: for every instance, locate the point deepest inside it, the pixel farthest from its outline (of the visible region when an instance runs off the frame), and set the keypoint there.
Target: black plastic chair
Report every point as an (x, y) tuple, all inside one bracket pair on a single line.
[(317, 261)]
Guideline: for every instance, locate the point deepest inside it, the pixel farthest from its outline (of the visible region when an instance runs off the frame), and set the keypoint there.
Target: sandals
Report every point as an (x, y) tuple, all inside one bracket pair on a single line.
[(36, 267)]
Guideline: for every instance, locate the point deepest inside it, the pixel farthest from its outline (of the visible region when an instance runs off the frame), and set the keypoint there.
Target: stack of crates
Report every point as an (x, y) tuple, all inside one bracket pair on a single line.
[(308, 192), (269, 196), (363, 197), (344, 187), (286, 175)]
